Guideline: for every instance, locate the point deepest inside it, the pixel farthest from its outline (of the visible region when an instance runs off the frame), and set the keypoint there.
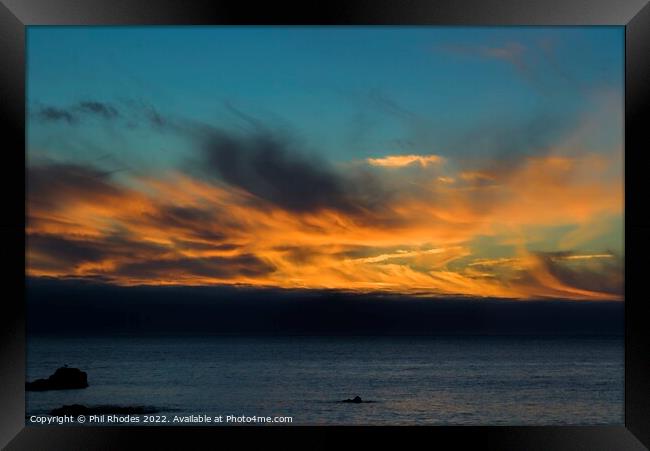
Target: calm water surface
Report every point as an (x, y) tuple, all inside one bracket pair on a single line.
[(413, 380)]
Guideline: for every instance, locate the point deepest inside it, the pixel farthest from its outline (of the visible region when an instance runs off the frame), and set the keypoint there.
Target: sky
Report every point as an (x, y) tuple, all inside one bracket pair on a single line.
[(428, 161)]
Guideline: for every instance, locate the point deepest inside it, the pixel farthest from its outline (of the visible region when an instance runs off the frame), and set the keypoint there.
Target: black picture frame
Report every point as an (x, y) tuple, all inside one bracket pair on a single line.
[(634, 15)]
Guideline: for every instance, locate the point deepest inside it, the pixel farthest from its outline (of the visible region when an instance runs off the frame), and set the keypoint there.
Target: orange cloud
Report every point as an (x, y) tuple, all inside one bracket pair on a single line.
[(398, 161), (179, 229), (476, 175)]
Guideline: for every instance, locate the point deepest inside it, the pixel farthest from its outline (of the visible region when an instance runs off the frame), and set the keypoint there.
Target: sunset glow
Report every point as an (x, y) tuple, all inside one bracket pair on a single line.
[(264, 204)]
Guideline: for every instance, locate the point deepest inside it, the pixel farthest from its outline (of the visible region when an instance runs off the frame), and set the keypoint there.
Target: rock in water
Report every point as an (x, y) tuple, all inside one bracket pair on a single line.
[(63, 379), (356, 400)]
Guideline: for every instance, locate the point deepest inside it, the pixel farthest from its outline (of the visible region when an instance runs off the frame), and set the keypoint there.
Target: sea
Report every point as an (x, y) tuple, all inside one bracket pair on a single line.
[(473, 380)]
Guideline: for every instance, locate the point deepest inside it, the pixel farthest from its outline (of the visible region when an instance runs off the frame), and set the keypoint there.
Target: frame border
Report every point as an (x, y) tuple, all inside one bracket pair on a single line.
[(15, 15)]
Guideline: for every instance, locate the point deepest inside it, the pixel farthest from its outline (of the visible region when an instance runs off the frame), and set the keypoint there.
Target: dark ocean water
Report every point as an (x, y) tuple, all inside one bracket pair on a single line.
[(413, 380)]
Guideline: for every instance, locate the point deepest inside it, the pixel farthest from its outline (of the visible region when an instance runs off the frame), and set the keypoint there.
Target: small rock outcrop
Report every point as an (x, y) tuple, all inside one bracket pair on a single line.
[(63, 379), (356, 400)]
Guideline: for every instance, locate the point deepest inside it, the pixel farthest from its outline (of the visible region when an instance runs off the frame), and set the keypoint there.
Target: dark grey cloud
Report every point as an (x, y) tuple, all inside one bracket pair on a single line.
[(204, 246), (54, 252), (155, 117), (53, 114), (140, 112), (63, 251), (52, 183), (105, 110), (183, 216), (247, 265), (269, 166), (140, 260), (197, 223), (302, 254), (604, 275), (74, 113)]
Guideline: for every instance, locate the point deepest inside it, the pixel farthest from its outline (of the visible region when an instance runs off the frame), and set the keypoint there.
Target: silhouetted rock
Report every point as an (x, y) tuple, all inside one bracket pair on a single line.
[(356, 400), (63, 379), (78, 409)]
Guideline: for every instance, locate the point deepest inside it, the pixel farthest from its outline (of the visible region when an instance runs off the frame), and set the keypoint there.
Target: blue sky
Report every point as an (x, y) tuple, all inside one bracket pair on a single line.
[(347, 93), (442, 160)]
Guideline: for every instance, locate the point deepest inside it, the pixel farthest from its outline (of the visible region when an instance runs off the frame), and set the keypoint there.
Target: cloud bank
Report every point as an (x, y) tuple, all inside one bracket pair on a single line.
[(257, 208)]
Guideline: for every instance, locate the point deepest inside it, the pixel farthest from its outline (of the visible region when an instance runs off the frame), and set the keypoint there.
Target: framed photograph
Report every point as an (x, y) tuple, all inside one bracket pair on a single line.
[(412, 220)]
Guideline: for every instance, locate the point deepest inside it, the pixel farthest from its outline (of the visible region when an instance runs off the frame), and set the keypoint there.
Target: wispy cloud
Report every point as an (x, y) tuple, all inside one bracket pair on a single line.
[(581, 256), (398, 161), (254, 207), (107, 111), (477, 176), (54, 114), (224, 228), (513, 53), (74, 113), (400, 254)]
